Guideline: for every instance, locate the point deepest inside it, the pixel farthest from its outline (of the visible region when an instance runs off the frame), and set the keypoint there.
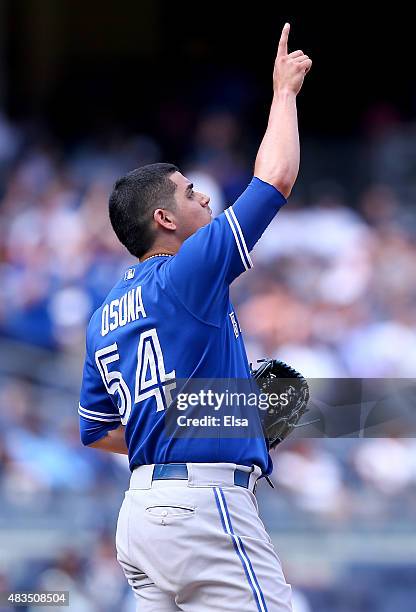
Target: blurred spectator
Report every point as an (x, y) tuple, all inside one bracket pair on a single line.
[(387, 464), (318, 485)]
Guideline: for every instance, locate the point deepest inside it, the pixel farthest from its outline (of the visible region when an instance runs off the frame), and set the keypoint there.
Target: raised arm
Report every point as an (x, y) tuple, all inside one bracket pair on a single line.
[(277, 160)]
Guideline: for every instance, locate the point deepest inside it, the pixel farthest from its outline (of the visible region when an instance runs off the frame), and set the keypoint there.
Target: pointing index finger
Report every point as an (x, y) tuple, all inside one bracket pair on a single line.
[(282, 49)]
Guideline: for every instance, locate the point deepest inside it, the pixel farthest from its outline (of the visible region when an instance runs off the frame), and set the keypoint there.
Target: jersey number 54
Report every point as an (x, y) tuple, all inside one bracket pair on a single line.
[(151, 379)]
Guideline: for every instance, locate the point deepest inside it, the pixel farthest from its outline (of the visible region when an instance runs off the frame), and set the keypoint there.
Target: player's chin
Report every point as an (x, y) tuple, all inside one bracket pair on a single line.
[(202, 221), (205, 221)]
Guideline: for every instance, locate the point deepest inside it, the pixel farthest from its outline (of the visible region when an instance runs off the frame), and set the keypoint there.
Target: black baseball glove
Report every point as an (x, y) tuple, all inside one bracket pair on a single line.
[(277, 377)]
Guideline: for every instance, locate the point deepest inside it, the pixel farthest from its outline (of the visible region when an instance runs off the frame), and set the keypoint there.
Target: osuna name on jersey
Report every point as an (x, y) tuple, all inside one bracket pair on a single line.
[(122, 311)]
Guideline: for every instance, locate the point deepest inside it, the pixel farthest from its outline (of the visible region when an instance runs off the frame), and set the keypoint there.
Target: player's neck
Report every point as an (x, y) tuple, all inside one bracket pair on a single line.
[(163, 245)]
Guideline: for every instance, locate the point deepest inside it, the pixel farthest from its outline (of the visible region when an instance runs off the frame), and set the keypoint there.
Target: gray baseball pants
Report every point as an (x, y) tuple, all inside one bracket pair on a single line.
[(198, 545)]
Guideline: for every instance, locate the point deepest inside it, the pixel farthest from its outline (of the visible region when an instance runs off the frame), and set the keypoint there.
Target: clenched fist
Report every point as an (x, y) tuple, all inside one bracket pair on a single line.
[(289, 68)]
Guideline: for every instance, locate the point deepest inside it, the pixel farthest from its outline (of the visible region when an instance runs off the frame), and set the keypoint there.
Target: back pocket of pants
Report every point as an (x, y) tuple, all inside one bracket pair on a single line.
[(166, 512)]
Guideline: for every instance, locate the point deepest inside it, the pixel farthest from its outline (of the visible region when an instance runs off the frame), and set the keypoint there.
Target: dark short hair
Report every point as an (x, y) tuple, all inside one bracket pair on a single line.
[(133, 200)]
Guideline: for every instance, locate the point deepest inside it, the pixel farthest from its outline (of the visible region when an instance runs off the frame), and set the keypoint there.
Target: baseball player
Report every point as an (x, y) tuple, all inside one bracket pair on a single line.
[(188, 535)]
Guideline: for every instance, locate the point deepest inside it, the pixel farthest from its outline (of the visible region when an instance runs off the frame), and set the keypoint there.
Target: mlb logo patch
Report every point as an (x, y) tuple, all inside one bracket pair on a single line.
[(129, 274)]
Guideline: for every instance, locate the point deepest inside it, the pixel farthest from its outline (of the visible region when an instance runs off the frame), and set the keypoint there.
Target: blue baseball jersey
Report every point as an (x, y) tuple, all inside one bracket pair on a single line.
[(171, 318)]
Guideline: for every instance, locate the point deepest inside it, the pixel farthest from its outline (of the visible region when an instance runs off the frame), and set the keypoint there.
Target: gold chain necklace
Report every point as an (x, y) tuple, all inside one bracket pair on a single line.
[(158, 255)]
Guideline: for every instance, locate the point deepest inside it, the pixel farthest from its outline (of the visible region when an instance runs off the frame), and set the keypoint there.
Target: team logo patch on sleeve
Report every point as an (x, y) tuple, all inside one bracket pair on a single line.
[(234, 324)]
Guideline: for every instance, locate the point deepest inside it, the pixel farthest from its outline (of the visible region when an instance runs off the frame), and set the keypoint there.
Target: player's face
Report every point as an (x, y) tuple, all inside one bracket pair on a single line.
[(192, 210)]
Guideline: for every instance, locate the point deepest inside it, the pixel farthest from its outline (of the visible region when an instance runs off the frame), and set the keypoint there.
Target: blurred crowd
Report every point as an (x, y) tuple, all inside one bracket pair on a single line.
[(332, 293)]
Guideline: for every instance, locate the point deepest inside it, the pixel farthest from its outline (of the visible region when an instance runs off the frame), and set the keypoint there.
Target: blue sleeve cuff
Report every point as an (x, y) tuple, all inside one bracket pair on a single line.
[(274, 193), (91, 431)]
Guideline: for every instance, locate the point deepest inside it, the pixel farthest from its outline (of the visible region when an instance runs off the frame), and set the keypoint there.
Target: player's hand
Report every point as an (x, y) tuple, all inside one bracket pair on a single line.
[(289, 68)]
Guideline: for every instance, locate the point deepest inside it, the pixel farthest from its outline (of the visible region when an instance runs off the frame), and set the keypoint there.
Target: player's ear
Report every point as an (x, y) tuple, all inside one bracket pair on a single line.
[(165, 218)]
